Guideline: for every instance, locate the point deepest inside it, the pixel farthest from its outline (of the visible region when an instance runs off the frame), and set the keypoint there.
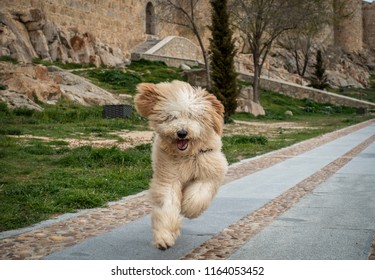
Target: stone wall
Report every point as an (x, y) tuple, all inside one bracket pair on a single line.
[(302, 92), (177, 47), (348, 32), (118, 23), (369, 24), (122, 23), (169, 60)]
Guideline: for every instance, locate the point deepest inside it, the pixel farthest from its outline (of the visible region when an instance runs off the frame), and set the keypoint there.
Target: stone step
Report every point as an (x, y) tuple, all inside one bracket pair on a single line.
[(145, 46)]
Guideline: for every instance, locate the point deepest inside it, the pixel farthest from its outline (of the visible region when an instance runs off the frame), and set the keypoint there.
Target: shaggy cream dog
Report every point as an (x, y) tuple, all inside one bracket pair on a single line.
[(188, 165)]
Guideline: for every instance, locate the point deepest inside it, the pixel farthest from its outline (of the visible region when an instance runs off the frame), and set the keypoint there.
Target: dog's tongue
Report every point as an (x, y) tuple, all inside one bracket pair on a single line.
[(182, 144)]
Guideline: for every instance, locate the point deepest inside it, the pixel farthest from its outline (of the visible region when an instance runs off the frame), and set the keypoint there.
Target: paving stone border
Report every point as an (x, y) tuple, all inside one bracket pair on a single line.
[(40, 242), (372, 250), (225, 243)]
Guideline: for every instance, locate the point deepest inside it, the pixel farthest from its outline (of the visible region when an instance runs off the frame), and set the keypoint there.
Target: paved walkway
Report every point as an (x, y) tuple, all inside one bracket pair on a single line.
[(314, 200)]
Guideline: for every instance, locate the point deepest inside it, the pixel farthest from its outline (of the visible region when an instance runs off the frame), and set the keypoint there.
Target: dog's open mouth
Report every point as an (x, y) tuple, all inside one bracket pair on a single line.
[(182, 144)]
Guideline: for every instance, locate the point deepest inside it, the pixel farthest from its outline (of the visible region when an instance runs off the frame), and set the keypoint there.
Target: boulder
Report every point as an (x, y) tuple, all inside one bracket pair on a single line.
[(14, 39), (249, 106), (31, 81), (110, 57), (246, 93), (288, 113), (18, 100), (40, 44), (50, 31), (184, 67), (28, 84), (34, 19), (256, 109), (79, 90)]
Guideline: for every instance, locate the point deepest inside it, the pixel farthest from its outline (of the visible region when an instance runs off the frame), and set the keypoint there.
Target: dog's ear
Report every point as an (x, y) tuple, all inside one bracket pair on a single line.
[(217, 114), (146, 98)]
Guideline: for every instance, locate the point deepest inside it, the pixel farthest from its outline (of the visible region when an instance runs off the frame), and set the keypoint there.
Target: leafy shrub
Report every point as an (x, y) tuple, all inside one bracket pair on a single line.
[(4, 107), (246, 139), (23, 112), (10, 132), (8, 58), (116, 78), (87, 156)]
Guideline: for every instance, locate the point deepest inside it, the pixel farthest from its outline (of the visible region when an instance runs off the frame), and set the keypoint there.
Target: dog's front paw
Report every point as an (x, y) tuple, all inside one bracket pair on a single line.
[(193, 205), (193, 209), (165, 239)]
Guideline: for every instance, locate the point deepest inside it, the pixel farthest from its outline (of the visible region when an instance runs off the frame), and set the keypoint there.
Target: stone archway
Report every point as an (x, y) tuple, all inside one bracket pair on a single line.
[(150, 19)]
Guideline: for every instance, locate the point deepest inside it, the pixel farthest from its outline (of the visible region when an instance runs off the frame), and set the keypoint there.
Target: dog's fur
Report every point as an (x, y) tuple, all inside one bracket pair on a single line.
[(188, 165)]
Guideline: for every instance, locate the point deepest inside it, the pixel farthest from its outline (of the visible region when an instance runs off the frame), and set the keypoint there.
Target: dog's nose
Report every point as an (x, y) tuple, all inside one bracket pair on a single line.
[(182, 133)]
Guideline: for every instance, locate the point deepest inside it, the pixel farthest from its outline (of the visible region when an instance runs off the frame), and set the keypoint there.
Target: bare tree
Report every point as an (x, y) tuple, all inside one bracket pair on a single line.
[(261, 22), (300, 41), (185, 13)]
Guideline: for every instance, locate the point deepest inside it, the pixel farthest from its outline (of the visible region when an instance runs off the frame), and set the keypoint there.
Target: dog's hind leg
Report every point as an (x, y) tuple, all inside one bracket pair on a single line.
[(165, 216), (197, 197)]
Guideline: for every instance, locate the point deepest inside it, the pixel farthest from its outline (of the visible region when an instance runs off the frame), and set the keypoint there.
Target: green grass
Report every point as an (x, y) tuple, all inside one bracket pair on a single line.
[(367, 94), (40, 179), (317, 119), (65, 120), (66, 66), (125, 81), (8, 58)]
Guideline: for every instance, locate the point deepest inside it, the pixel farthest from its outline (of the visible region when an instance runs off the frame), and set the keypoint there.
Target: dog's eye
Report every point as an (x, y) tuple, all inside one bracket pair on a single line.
[(171, 118)]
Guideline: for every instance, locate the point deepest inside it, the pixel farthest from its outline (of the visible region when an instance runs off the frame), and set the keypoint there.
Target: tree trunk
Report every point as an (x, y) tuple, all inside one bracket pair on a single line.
[(256, 81), (256, 84), (206, 62)]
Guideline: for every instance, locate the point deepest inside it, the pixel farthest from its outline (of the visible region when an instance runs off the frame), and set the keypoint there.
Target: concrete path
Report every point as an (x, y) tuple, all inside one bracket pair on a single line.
[(335, 220)]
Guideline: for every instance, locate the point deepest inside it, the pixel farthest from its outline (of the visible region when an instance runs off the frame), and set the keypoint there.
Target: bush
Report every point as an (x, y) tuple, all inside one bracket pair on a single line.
[(87, 156), (8, 58), (245, 139), (116, 78), (4, 107)]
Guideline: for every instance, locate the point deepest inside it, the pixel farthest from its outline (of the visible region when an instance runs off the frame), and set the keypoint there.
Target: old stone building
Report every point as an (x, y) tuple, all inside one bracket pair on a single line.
[(124, 24)]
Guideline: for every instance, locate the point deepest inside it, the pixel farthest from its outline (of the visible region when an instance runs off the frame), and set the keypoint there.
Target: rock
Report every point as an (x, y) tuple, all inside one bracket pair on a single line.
[(246, 93), (28, 84), (40, 43), (31, 81), (248, 106), (256, 109), (83, 46), (26, 34), (18, 100), (185, 67), (288, 113), (78, 90), (95, 60), (35, 20), (110, 57), (50, 31), (15, 39)]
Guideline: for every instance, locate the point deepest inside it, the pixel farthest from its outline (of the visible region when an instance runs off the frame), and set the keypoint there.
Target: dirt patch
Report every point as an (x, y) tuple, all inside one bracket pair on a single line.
[(261, 128), (128, 139)]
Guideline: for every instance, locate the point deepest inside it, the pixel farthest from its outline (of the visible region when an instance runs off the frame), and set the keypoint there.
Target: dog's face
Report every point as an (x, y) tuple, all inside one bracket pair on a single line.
[(184, 117)]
